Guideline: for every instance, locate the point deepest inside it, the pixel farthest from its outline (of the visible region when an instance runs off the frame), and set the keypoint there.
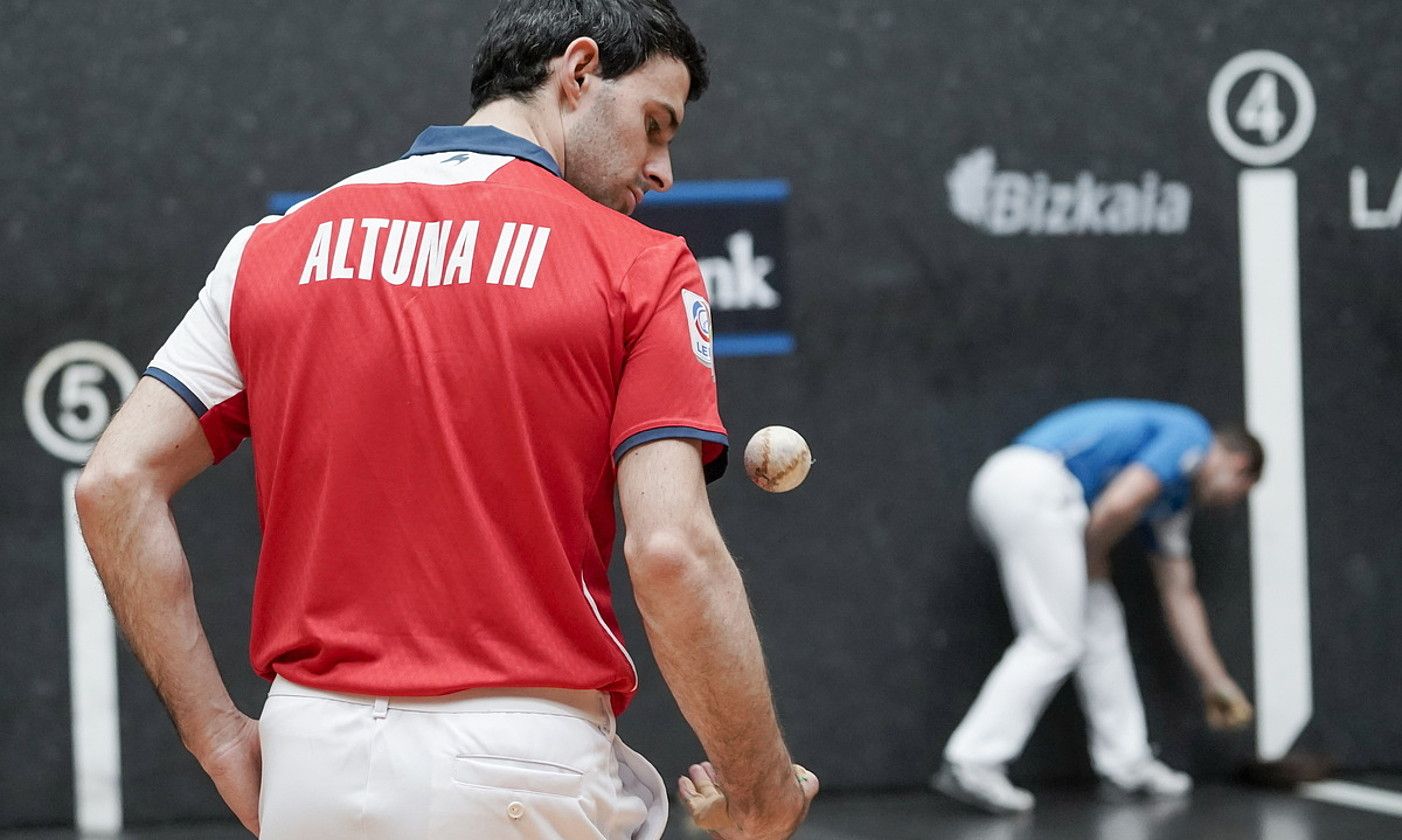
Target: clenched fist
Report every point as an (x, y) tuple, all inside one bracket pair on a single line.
[(705, 801)]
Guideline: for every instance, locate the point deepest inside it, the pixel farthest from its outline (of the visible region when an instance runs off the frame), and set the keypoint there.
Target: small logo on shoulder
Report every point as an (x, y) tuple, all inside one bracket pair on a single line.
[(698, 322)]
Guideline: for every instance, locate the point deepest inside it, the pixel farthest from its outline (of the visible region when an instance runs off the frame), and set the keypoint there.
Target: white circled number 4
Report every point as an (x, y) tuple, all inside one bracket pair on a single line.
[(1260, 111)]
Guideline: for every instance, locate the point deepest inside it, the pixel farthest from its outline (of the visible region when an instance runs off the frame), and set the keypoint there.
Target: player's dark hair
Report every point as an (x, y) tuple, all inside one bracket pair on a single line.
[(522, 36), (1235, 438)]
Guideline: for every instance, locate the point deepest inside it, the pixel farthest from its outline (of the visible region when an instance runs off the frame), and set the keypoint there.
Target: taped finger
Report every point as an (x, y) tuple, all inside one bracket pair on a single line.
[(703, 781), (686, 788)]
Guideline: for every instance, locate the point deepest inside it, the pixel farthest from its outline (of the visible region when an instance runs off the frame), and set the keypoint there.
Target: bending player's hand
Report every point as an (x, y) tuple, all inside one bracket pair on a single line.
[(1227, 706), (702, 794), (234, 762)]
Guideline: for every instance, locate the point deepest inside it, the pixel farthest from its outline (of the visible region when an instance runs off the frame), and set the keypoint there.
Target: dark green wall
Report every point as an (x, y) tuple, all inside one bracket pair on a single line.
[(136, 138)]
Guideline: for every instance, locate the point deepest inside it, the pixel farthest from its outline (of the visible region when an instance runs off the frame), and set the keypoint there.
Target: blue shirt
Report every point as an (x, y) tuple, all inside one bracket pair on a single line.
[(1097, 439)]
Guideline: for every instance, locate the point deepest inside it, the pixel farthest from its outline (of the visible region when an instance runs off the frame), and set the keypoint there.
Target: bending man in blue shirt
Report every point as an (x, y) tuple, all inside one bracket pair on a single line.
[(1052, 506)]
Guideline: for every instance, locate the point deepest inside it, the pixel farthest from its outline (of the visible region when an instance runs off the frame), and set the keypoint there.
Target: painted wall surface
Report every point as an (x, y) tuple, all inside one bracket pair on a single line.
[(994, 210)]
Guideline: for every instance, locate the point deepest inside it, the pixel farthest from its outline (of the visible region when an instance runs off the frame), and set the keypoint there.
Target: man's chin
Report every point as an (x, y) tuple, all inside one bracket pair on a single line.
[(623, 205)]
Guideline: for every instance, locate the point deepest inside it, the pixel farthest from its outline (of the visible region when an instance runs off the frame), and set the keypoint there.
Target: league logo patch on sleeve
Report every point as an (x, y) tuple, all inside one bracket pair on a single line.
[(698, 324)]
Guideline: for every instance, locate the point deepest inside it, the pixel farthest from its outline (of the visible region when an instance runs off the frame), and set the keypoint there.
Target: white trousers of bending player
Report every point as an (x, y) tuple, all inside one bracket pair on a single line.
[(1031, 511)]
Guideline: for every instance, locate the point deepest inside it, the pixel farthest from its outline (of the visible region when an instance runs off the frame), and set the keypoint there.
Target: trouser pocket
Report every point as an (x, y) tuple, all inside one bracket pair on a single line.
[(496, 796)]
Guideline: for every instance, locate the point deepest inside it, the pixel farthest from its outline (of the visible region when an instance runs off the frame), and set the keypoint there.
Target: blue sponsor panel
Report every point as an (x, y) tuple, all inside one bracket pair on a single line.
[(763, 191), (755, 344), (736, 229), (281, 202)]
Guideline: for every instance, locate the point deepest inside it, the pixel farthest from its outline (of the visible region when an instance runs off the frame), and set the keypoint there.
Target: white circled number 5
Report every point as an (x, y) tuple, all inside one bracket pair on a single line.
[(83, 407)]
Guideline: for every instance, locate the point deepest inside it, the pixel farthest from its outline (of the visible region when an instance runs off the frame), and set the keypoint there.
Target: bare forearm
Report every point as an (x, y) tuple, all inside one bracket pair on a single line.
[(1120, 505), (704, 639), (136, 549), (703, 636), (1187, 622), (1106, 527)]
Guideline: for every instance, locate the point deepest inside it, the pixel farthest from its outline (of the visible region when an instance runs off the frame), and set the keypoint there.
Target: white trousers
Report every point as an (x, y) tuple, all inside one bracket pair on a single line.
[(1032, 513), (533, 764)]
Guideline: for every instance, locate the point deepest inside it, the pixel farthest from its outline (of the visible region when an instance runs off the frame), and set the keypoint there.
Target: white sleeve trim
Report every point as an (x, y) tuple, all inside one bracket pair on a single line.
[(199, 354)]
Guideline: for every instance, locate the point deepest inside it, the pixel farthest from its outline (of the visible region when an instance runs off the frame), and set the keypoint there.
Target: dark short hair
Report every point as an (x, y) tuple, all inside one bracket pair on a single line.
[(1235, 438), (522, 36)]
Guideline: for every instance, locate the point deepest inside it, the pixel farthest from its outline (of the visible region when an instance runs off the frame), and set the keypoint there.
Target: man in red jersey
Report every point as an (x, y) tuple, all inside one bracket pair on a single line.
[(447, 365)]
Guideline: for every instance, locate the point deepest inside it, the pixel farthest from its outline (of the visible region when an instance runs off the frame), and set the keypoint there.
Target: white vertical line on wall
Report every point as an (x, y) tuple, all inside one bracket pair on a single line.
[(92, 679), (1354, 795), (1270, 271)]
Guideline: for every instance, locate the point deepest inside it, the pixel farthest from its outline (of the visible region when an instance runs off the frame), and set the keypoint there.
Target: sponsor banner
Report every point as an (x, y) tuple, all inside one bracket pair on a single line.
[(1007, 202), (1371, 208), (736, 229)]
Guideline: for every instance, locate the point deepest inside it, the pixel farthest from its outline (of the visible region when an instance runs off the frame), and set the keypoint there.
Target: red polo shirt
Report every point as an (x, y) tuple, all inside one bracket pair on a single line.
[(439, 362)]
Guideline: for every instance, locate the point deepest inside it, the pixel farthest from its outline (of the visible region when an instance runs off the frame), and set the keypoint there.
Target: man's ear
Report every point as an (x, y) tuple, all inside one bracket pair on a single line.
[(577, 69)]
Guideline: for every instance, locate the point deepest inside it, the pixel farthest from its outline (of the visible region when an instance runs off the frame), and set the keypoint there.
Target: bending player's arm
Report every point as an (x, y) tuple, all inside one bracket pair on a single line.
[(153, 447), (1119, 508), (1227, 706), (698, 621)]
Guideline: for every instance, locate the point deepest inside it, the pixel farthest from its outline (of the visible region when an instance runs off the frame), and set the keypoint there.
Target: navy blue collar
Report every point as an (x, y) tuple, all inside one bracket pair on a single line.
[(487, 139)]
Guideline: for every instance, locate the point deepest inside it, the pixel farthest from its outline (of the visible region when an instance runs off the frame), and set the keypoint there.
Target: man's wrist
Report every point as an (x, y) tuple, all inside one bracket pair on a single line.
[(773, 799), (207, 739)]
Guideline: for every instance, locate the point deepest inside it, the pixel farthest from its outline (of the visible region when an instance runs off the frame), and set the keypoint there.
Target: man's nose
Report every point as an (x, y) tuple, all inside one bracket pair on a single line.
[(658, 172)]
